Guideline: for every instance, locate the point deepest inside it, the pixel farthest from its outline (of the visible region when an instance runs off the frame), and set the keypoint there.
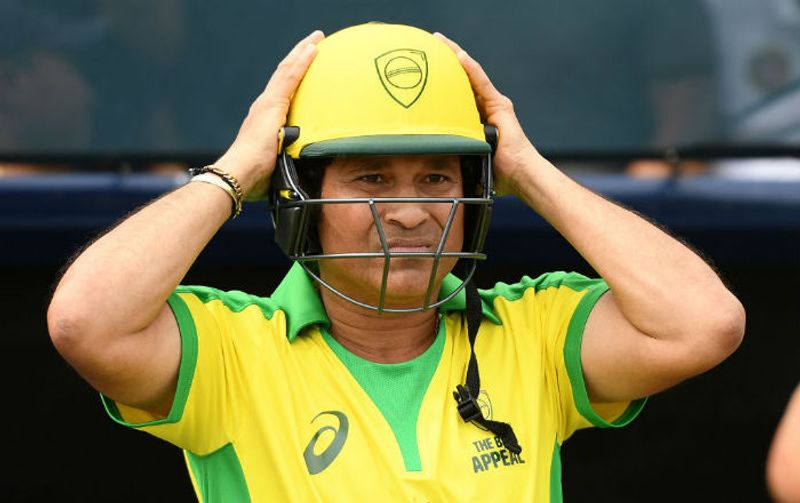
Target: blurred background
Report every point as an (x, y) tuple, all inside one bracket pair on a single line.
[(685, 111)]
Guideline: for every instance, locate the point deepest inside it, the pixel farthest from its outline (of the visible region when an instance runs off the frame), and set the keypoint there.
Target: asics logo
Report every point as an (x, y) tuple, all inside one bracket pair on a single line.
[(318, 462)]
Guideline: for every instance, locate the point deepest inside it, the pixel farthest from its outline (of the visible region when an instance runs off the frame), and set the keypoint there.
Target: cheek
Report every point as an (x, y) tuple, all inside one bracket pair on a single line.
[(343, 226), (455, 239)]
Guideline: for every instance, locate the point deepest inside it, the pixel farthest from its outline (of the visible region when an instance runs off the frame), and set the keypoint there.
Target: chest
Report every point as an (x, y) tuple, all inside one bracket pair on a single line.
[(317, 434)]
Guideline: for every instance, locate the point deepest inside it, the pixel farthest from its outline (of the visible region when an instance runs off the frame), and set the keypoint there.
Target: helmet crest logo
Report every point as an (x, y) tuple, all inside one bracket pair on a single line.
[(403, 73)]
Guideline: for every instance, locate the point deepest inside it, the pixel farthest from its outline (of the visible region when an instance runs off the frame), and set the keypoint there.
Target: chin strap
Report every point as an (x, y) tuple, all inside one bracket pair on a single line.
[(467, 395)]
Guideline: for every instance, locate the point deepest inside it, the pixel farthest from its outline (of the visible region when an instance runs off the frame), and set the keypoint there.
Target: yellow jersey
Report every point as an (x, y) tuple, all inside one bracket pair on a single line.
[(269, 407)]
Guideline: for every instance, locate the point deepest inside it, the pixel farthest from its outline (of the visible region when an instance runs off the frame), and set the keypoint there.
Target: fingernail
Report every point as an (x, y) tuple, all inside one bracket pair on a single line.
[(462, 53)]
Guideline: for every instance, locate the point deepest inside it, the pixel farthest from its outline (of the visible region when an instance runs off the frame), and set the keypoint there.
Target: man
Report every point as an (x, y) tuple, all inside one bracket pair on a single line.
[(339, 386)]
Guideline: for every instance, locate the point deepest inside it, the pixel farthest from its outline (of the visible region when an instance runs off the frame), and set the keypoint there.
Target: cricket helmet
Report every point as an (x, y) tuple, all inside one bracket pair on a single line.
[(382, 89)]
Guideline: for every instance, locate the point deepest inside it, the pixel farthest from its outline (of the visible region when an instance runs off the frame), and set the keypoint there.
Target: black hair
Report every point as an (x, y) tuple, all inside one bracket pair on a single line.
[(310, 171)]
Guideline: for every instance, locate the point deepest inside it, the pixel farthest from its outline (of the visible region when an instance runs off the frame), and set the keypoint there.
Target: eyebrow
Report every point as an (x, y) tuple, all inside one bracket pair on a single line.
[(440, 162), (369, 164)]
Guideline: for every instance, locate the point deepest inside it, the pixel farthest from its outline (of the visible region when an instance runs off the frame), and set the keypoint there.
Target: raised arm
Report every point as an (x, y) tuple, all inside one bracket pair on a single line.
[(668, 315), (108, 317)]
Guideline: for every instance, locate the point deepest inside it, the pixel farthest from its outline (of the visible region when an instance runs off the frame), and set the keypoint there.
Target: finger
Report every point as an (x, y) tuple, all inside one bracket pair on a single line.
[(312, 38), (481, 84), (458, 50), (454, 46), (289, 73), (268, 111), (296, 52), (288, 61), (288, 76)]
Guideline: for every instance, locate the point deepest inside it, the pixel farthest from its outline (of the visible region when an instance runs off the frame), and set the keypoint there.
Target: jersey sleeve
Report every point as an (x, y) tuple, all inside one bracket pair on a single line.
[(201, 417), (564, 306)]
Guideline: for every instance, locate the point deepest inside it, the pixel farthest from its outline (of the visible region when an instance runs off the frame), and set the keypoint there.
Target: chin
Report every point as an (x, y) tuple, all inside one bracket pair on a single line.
[(408, 282), (405, 287)]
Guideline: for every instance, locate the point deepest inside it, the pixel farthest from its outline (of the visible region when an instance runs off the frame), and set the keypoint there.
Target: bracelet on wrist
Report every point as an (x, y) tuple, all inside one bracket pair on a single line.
[(224, 180)]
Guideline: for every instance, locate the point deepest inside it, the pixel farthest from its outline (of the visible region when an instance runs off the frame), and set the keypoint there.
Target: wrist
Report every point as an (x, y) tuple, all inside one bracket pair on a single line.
[(248, 167), (517, 169), (215, 175), (535, 181)]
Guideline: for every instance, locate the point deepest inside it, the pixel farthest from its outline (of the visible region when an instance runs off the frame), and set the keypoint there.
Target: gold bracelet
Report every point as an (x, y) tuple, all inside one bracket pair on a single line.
[(224, 180)]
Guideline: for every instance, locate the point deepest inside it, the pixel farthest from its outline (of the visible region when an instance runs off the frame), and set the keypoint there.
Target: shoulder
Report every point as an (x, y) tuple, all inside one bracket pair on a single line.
[(572, 281), (554, 297), (233, 301)]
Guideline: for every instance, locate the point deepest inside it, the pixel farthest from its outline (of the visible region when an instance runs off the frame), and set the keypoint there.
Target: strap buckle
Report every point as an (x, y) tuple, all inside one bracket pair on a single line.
[(468, 406)]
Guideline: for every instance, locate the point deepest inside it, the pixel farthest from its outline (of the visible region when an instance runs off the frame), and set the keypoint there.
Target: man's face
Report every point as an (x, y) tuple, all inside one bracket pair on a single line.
[(408, 227)]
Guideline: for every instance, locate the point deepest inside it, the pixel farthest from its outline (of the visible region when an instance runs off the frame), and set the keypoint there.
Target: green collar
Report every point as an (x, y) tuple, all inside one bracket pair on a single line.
[(298, 298)]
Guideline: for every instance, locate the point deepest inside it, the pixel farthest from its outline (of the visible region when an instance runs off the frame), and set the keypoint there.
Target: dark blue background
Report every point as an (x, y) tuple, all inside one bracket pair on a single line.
[(178, 76)]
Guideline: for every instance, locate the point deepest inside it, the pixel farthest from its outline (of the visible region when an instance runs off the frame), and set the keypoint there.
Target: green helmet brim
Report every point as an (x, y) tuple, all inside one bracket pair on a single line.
[(397, 145)]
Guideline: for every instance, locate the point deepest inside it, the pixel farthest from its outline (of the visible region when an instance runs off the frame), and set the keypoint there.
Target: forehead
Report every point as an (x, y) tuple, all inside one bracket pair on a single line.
[(392, 162)]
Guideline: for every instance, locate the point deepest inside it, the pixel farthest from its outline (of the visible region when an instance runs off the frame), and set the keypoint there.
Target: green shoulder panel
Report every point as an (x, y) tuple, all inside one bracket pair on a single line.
[(572, 280), (234, 300)]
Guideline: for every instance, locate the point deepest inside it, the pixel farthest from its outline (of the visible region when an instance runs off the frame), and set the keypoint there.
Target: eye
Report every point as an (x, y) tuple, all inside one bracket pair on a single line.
[(437, 178), (371, 178)]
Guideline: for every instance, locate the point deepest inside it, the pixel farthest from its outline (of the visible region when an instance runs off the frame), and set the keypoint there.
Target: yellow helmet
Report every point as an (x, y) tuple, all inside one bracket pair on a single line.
[(385, 89)]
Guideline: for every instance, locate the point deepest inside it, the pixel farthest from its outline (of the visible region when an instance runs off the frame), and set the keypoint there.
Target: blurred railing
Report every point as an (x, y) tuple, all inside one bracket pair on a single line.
[(44, 219)]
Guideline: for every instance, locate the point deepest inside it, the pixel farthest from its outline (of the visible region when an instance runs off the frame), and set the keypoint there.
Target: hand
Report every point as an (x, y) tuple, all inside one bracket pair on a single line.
[(513, 148), (251, 158)]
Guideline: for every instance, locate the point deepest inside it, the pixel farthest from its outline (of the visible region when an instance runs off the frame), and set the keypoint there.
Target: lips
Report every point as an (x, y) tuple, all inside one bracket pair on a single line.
[(409, 245)]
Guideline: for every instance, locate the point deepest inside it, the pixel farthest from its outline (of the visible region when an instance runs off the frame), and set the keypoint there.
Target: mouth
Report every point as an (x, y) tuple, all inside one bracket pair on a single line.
[(410, 245)]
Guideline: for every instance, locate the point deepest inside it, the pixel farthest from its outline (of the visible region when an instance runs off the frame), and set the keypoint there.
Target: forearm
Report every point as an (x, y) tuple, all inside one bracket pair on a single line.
[(662, 288), (122, 280)]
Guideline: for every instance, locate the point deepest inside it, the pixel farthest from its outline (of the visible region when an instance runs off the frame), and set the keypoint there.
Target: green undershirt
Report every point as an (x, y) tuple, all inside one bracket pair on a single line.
[(397, 389)]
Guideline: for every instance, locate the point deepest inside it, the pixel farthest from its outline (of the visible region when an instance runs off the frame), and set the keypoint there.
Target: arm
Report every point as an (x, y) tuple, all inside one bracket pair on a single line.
[(668, 316), (783, 463), (108, 317)]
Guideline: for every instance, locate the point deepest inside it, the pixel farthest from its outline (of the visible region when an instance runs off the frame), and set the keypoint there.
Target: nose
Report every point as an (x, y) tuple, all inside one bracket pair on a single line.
[(405, 215)]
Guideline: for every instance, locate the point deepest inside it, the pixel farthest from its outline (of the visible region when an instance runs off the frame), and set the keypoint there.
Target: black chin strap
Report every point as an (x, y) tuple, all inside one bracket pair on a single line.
[(466, 396)]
